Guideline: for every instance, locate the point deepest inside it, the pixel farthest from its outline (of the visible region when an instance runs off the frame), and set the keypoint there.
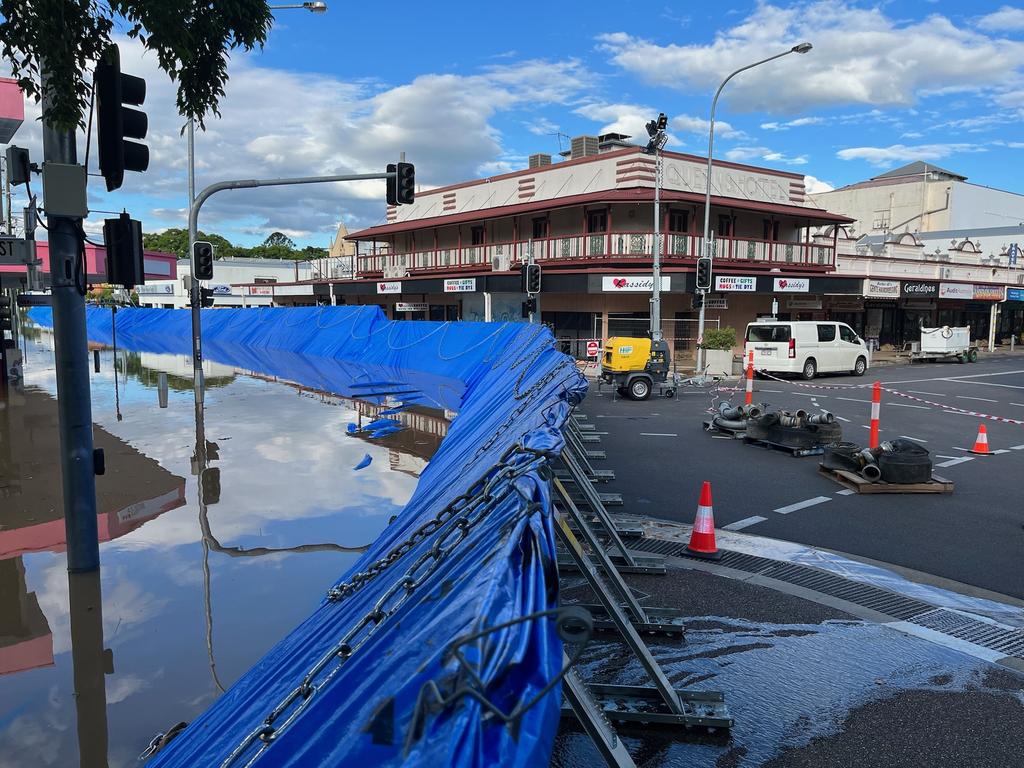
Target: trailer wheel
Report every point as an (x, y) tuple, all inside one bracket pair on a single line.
[(972, 356), (640, 388)]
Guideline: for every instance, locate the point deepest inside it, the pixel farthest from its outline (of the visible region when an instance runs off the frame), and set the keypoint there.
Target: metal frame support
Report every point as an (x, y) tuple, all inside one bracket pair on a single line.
[(594, 502), (594, 721)]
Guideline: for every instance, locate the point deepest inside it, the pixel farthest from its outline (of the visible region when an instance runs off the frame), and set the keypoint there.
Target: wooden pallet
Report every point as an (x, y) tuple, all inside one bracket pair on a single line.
[(855, 482), (815, 450)]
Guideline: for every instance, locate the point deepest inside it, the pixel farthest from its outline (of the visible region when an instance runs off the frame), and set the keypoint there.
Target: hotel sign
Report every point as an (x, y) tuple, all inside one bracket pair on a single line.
[(460, 285), (882, 289), (389, 287), (731, 283)]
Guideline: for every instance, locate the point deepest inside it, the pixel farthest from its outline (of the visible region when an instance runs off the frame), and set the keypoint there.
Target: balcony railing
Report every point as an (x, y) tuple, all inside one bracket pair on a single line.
[(614, 246)]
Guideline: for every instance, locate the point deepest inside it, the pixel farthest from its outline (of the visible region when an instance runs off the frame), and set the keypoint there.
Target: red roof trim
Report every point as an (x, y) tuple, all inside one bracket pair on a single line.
[(637, 194)]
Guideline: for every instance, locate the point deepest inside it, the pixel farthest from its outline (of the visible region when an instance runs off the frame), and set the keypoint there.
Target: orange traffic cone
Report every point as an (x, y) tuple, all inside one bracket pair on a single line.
[(981, 442), (702, 538)]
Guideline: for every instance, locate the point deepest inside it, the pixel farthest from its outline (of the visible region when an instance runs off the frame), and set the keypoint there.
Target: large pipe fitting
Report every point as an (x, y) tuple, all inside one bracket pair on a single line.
[(821, 418), (871, 472), (790, 420), (866, 456), (752, 411), (801, 413), (729, 411), (732, 424)]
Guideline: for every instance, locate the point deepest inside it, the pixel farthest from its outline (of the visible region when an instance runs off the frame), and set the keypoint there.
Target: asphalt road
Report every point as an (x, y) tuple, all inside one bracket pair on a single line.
[(975, 535)]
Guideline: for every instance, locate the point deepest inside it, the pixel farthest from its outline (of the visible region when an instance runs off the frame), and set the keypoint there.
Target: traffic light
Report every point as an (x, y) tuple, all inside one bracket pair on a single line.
[(209, 483), (206, 297), (122, 238), (697, 301), (531, 278), (529, 307), (392, 182), (116, 123), (6, 316), (703, 273), (406, 183), (202, 260)]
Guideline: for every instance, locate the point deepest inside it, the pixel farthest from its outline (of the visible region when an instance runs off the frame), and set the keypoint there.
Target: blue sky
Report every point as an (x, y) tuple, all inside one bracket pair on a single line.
[(472, 89)]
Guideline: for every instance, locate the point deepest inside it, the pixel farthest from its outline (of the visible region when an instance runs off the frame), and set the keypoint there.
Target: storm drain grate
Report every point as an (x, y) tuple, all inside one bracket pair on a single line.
[(1009, 642), (1006, 641)]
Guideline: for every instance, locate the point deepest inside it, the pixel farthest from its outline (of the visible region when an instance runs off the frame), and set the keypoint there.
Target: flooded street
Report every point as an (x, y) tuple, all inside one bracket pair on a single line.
[(199, 580)]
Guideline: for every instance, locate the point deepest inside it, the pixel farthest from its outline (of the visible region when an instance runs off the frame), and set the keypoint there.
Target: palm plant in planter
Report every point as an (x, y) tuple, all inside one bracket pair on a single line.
[(718, 344)]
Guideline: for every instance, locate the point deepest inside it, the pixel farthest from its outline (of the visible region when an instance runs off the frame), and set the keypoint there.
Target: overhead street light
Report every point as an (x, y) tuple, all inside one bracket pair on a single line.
[(317, 7), (798, 48)]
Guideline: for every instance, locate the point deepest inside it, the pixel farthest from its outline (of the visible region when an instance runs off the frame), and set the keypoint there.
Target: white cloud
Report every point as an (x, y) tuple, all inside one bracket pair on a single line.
[(902, 153), (798, 123), (278, 123), (860, 56), (1005, 19), (541, 126), (632, 119), (749, 154), (815, 186)]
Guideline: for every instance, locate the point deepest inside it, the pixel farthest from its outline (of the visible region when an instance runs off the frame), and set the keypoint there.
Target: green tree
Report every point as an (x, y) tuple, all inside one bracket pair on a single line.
[(175, 240), (279, 239), (190, 38)]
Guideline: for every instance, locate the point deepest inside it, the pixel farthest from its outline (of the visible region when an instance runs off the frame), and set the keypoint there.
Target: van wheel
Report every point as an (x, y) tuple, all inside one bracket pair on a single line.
[(810, 369), (860, 367), (640, 389)]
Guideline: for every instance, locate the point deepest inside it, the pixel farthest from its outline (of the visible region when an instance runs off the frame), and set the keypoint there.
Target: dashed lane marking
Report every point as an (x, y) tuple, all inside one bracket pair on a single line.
[(744, 523), (933, 394), (773, 391), (853, 400), (803, 504), (954, 462), (954, 378), (915, 439), (1019, 405), (992, 384), (846, 492), (982, 399), (1017, 447), (807, 394), (659, 434), (908, 405), (842, 418)]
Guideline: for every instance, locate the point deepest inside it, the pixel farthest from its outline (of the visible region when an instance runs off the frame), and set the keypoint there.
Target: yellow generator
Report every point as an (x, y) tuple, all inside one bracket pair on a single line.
[(635, 365)]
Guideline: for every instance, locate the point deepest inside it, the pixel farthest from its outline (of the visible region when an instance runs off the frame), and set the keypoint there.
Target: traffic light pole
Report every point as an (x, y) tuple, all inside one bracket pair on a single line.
[(656, 258), (74, 405), (196, 204)]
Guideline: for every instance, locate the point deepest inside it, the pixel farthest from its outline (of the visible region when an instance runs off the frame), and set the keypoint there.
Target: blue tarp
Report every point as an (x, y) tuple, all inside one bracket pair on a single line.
[(509, 386)]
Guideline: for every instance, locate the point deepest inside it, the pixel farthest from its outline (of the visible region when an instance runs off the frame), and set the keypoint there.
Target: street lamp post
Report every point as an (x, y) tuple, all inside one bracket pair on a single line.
[(656, 130), (801, 48), (194, 293)]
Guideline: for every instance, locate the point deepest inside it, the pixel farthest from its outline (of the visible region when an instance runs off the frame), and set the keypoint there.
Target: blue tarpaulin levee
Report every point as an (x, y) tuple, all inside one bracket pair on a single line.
[(370, 678)]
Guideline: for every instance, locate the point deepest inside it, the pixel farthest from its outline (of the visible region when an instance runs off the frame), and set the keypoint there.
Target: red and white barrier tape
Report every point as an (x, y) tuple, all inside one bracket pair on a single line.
[(946, 407), (812, 386)]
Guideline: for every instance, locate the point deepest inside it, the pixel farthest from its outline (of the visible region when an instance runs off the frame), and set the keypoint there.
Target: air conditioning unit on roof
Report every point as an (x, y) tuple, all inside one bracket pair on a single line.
[(501, 262)]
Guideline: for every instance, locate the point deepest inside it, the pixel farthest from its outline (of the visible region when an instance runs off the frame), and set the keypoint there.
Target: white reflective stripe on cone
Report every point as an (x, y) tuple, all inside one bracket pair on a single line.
[(705, 522)]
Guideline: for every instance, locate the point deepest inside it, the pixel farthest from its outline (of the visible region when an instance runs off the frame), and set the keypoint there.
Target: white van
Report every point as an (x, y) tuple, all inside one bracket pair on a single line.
[(806, 347)]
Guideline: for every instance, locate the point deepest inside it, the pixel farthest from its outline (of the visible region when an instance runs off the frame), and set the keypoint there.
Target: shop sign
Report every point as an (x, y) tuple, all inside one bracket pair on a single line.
[(732, 283), (988, 293), (809, 302), (963, 291), (633, 283), (920, 290), (882, 289), (1015, 294), (261, 290), (221, 290), (716, 302), (164, 288), (411, 306), (792, 284), (390, 287), (847, 304), (460, 285)]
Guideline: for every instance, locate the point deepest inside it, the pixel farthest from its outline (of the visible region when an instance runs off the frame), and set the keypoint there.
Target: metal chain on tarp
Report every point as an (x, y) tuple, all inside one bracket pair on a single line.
[(574, 624), (452, 526)]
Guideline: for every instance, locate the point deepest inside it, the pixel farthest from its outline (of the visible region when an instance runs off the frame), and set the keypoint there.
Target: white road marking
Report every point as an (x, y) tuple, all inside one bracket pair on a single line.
[(915, 439), (908, 405), (1017, 447), (808, 394), (659, 434), (722, 437), (998, 451), (940, 456), (802, 505), (842, 418), (744, 523), (773, 391), (1019, 405), (954, 462), (983, 399), (846, 492), (853, 400), (867, 427), (953, 378), (933, 394), (992, 384)]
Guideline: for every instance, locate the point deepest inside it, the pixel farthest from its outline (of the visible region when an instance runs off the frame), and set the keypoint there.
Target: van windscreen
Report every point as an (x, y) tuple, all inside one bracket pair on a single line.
[(768, 333)]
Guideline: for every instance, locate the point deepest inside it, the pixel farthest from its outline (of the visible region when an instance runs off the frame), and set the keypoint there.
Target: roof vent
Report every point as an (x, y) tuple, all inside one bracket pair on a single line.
[(584, 146), (539, 160)]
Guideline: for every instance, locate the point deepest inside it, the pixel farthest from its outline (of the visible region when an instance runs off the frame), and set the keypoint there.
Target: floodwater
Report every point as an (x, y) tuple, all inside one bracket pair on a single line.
[(198, 579)]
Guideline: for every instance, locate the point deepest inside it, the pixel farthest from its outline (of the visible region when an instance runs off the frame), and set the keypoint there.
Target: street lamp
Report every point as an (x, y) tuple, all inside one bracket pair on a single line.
[(194, 300), (800, 48), (658, 139)]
